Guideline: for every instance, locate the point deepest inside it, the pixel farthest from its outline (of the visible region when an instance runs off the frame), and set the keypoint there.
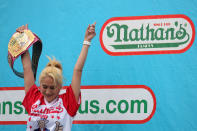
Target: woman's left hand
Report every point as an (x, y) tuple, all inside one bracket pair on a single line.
[(90, 32)]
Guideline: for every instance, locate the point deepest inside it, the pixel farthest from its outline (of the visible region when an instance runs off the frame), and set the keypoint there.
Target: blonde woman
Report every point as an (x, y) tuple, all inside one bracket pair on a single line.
[(47, 109)]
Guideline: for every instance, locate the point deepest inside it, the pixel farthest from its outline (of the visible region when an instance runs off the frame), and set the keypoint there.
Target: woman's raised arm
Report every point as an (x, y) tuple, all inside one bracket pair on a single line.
[(77, 73), (26, 61)]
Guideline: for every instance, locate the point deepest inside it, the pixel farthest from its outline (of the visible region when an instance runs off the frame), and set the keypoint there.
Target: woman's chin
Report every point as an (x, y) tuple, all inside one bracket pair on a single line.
[(49, 98)]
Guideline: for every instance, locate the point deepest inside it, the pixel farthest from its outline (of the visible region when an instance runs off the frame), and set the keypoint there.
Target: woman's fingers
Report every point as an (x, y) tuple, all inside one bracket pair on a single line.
[(26, 26), (92, 27), (94, 24), (22, 28), (91, 30)]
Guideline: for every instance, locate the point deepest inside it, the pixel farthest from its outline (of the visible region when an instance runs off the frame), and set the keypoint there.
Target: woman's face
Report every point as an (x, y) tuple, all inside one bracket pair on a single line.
[(48, 88)]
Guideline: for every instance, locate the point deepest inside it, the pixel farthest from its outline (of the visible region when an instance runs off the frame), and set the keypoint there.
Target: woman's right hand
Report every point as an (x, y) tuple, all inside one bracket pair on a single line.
[(22, 28)]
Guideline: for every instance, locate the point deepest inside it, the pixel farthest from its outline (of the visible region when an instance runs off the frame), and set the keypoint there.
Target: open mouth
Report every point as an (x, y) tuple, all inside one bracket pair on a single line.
[(48, 95)]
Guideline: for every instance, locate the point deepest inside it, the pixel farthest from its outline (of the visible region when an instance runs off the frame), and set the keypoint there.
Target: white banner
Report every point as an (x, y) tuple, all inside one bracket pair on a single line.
[(100, 104)]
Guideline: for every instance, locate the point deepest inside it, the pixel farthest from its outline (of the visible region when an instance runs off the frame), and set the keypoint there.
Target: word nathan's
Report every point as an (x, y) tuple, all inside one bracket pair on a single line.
[(146, 33)]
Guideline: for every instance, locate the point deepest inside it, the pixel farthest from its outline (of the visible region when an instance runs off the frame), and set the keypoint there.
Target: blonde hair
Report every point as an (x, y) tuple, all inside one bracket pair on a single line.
[(54, 70)]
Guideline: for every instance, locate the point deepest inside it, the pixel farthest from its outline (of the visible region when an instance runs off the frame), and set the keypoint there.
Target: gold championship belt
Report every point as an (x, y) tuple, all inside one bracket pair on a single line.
[(18, 44)]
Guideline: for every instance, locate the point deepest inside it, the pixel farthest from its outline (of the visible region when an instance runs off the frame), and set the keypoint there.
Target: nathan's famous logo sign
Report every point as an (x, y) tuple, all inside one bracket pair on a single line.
[(112, 104), (138, 35)]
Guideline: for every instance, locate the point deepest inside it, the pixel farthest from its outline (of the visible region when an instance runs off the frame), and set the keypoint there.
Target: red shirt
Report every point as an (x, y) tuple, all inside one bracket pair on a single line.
[(55, 115)]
